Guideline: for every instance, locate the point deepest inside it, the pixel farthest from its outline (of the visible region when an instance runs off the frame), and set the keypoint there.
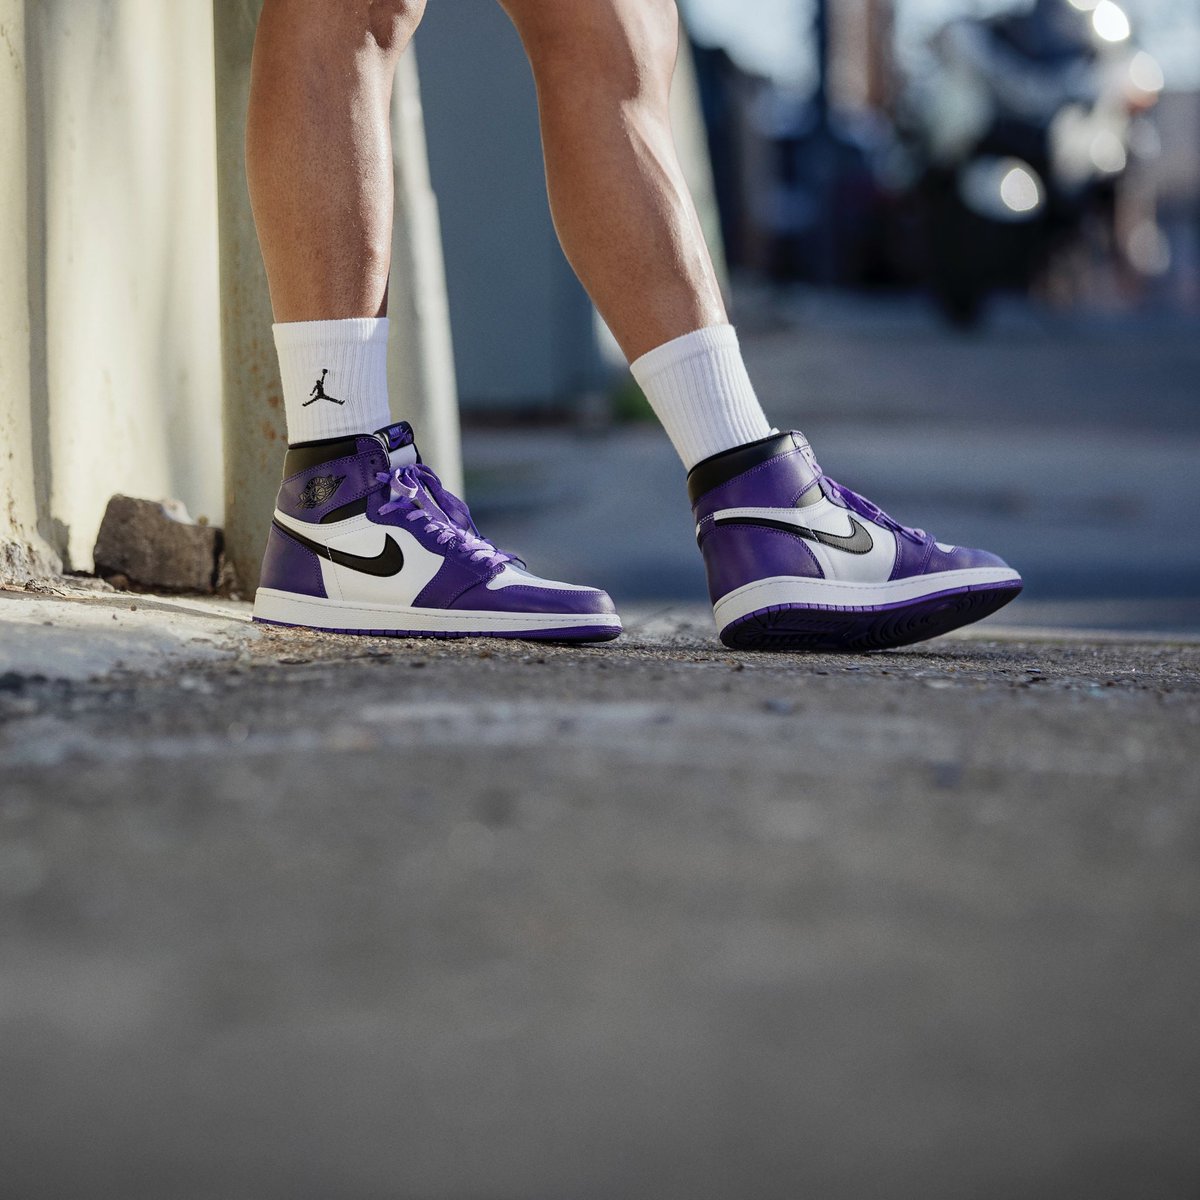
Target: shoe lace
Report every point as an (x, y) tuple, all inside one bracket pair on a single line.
[(861, 505), (419, 494)]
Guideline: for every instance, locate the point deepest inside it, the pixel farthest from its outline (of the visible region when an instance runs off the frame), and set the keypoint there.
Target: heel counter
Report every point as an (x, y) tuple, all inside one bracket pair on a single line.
[(289, 567), (735, 555)]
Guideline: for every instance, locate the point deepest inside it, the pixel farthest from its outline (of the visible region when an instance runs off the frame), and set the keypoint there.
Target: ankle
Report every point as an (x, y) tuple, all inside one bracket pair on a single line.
[(700, 391), (334, 377)]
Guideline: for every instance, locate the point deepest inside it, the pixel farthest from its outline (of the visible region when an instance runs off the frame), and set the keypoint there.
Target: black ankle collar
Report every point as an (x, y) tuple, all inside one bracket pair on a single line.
[(303, 456), (729, 464)]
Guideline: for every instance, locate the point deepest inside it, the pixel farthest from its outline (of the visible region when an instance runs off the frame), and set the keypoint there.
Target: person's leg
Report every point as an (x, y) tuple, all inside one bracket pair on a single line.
[(319, 168), (623, 213), (364, 538), (621, 207), (794, 559), (319, 152)]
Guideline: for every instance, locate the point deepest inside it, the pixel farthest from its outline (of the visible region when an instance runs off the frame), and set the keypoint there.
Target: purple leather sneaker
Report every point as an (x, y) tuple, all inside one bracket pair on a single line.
[(367, 540), (796, 561)]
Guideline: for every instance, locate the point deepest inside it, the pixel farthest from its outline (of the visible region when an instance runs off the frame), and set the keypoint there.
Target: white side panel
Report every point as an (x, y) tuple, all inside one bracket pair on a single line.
[(360, 536), (872, 567)]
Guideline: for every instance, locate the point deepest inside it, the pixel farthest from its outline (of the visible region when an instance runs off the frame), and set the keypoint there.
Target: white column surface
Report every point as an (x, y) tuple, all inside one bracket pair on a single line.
[(123, 255)]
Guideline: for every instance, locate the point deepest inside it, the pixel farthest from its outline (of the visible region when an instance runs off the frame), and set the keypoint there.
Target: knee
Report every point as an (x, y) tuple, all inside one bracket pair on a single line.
[(627, 45), (387, 25), (393, 22)]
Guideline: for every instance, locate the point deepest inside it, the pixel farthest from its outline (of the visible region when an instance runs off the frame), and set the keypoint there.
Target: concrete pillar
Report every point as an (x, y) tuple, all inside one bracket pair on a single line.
[(23, 554), (420, 354), (122, 219), (254, 430)]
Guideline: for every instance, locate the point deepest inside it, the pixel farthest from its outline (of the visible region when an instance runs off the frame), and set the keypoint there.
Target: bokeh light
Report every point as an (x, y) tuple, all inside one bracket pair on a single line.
[(1110, 22), (1107, 152), (1019, 190), (1145, 73)]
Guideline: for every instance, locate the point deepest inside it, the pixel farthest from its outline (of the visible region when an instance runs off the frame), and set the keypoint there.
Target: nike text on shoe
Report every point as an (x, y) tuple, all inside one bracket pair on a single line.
[(796, 561), (367, 540)]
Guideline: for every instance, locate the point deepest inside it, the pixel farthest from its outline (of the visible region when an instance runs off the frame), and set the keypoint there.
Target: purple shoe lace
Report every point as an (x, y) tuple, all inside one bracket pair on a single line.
[(861, 505), (418, 493)]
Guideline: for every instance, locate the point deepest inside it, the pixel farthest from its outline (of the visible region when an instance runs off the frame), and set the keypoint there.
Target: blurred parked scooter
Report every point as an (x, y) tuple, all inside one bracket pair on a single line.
[(1021, 133)]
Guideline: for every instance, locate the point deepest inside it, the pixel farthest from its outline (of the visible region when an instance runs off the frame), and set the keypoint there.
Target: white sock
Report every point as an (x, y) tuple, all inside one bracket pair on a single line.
[(698, 387), (334, 377)]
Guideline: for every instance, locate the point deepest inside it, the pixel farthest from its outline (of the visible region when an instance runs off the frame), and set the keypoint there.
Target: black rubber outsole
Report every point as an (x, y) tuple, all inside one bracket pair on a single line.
[(790, 627)]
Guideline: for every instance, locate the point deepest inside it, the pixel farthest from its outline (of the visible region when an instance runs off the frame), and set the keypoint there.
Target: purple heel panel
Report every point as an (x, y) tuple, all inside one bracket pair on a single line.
[(777, 483), (739, 554), (313, 494), (289, 567)]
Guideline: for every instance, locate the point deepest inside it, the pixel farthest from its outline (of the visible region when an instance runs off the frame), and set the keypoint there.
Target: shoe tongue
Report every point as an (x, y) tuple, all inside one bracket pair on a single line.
[(806, 453), (397, 440)]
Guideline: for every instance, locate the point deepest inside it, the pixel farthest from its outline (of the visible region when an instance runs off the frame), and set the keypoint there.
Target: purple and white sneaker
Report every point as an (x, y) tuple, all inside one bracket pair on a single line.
[(796, 561), (366, 540)]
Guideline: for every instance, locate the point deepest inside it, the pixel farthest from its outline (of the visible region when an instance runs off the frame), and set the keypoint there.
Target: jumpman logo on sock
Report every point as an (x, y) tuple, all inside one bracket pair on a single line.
[(319, 393)]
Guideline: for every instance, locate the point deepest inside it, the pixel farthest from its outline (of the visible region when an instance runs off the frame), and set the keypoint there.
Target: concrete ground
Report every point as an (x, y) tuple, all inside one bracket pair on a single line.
[(287, 915)]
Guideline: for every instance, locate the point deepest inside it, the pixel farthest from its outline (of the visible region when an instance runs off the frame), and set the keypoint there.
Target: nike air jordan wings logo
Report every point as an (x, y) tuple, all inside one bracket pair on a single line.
[(320, 490), (858, 541), (389, 561), (319, 393)]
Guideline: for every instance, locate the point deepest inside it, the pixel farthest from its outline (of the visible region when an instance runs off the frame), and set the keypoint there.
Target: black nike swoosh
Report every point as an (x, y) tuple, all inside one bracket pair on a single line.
[(389, 561), (859, 542)]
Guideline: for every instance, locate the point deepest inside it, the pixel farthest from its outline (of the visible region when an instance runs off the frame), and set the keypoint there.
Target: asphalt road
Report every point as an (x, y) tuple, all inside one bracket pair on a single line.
[(330, 918)]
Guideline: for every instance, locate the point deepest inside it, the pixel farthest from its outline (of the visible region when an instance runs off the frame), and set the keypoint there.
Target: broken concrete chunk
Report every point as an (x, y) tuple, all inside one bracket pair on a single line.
[(145, 545)]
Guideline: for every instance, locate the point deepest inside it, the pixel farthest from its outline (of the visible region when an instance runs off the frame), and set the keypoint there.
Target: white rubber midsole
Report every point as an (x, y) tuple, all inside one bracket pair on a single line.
[(290, 609), (826, 593)]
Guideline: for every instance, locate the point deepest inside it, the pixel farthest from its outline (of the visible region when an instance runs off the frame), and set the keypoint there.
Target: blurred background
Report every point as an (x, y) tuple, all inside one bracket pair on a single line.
[(960, 240), (962, 247)]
